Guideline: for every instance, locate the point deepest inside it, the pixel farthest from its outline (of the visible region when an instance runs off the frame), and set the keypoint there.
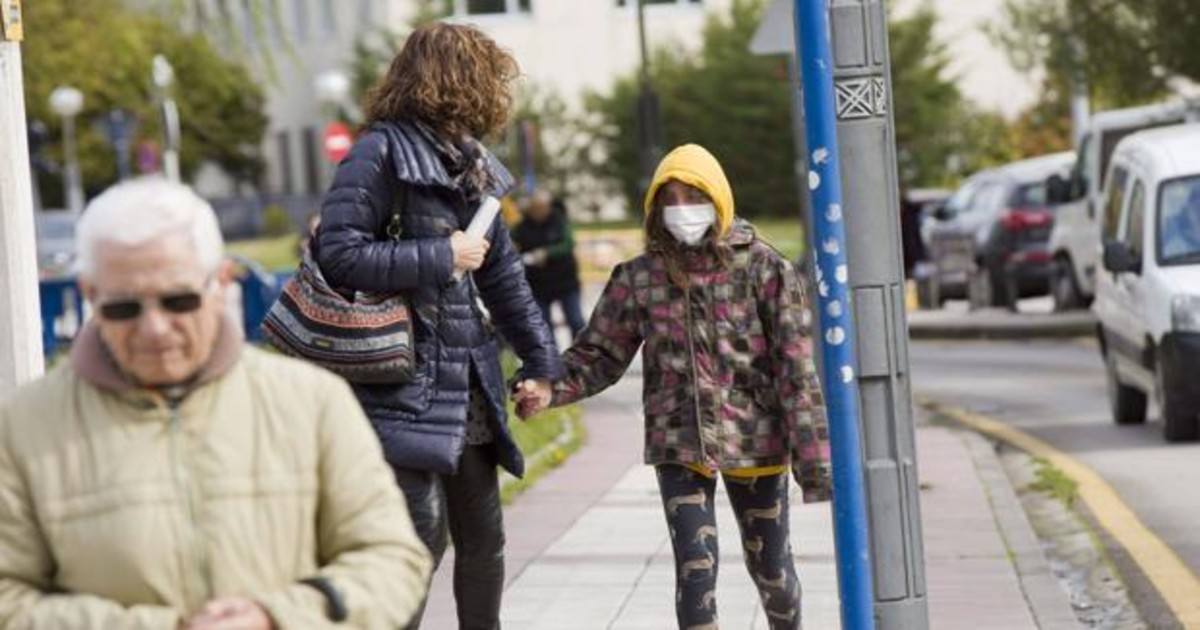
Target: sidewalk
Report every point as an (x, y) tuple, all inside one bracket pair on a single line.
[(588, 548)]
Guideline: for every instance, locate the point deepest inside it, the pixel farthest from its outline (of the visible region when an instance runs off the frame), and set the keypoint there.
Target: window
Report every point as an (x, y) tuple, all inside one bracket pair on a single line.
[(1029, 196), (1115, 202), (312, 166), (301, 15), (622, 3), (249, 24), (1179, 222), (287, 182), (492, 7), (328, 18), (1134, 227)]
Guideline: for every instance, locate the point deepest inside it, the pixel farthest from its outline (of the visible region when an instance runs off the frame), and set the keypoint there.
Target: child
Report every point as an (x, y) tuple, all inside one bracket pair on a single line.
[(730, 385)]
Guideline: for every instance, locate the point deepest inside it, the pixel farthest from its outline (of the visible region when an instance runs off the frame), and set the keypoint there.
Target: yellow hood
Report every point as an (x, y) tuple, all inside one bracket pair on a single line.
[(693, 165)]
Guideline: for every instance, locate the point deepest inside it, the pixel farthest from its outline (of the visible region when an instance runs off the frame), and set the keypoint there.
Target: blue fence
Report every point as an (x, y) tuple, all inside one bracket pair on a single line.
[(63, 310)]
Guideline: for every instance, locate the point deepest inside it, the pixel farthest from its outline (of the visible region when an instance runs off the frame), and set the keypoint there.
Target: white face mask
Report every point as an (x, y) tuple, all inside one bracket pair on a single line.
[(688, 224)]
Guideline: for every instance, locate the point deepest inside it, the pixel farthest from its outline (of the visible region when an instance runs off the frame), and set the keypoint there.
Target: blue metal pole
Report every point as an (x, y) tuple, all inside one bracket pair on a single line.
[(839, 367)]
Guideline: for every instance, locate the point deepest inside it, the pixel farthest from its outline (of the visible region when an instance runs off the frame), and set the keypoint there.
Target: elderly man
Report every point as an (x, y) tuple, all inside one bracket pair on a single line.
[(166, 476)]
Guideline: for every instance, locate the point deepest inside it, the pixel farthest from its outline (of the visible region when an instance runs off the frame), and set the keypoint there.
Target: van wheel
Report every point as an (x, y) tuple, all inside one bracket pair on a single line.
[(1064, 288), (1128, 404), (1181, 423)]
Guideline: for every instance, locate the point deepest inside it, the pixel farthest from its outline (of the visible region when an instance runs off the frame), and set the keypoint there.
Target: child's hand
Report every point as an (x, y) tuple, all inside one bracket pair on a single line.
[(532, 397)]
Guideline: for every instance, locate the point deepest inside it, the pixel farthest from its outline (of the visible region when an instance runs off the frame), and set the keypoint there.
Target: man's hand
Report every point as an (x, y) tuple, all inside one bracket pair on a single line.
[(532, 397), (469, 251), (230, 613)]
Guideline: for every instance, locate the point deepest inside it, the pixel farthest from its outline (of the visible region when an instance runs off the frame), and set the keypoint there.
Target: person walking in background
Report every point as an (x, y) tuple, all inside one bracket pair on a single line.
[(418, 174), (730, 385), (548, 251), (167, 475)]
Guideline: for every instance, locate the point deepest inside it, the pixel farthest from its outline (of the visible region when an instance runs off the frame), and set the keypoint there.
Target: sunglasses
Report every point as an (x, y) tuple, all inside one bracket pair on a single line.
[(175, 303)]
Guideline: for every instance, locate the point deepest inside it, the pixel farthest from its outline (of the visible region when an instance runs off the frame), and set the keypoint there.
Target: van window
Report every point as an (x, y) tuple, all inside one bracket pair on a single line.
[(1134, 224), (1115, 202), (1083, 170), (1179, 222)]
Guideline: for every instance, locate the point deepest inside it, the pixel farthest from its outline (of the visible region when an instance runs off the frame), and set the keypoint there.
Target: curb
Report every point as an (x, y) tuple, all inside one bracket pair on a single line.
[(1048, 602), (1054, 329), (1175, 582), (564, 438)]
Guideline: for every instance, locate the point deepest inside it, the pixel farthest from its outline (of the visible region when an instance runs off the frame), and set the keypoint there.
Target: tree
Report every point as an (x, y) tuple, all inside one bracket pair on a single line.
[(738, 105), (733, 102), (105, 49), (1127, 51), (940, 136)]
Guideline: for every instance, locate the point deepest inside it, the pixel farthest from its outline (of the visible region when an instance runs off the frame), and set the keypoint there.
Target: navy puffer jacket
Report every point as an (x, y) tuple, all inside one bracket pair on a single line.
[(394, 169)]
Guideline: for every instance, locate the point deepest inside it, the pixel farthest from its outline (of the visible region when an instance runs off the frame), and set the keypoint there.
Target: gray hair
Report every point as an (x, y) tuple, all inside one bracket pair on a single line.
[(144, 209)]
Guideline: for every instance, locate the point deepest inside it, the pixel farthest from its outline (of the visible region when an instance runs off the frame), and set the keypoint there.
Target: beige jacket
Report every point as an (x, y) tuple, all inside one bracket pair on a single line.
[(119, 510)]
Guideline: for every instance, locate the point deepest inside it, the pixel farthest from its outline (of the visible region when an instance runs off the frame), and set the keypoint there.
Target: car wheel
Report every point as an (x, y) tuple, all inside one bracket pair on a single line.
[(926, 294), (1064, 289), (1181, 423), (1128, 404), (1004, 289)]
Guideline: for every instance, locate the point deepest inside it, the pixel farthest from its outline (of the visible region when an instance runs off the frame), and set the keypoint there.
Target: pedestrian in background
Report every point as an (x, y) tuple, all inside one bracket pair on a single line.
[(168, 476), (730, 384), (547, 248), (418, 174)]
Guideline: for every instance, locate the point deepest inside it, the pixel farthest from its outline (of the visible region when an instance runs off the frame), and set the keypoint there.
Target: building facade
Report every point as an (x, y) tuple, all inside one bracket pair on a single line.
[(564, 46)]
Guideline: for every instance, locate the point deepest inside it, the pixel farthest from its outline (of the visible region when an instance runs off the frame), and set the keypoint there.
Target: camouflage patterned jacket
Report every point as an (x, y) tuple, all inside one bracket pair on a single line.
[(729, 376)]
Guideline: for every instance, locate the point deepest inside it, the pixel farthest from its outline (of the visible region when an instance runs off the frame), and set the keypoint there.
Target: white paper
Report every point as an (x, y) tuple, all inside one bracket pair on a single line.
[(482, 222)]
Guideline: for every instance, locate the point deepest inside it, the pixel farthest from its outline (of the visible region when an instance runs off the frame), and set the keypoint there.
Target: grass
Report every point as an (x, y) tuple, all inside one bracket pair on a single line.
[(275, 253), (1054, 482), (787, 235)]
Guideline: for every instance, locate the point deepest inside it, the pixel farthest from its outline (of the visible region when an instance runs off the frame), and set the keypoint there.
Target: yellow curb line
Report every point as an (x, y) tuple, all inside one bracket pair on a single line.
[(1174, 581)]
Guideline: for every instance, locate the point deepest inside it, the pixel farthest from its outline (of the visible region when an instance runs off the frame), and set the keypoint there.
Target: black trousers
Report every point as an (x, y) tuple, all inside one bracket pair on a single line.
[(761, 507), (465, 505)]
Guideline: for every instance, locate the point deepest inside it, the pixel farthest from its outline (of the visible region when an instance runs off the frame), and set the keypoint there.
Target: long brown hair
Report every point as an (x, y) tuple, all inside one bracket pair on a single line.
[(660, 242), (451, 77)]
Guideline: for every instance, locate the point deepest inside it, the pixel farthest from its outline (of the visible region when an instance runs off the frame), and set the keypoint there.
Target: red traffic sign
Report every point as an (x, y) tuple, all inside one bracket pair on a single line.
[(338, 141)]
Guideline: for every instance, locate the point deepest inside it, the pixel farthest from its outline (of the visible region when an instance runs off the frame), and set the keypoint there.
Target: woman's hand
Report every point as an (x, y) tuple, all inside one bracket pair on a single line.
[(532, 397), (469, 251)]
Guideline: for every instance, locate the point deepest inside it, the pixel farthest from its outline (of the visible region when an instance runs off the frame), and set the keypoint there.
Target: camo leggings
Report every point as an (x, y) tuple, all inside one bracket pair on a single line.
[(761, 507)]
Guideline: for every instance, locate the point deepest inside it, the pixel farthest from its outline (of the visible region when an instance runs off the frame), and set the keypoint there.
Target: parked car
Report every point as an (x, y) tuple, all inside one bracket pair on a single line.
[(55, 230), (990, 241), (1075, 239), (1148, 293)]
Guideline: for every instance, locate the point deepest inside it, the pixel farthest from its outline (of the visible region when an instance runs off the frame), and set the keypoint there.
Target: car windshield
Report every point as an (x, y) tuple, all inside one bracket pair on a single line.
[(1029, 196), (1179, 221), (961, 197)]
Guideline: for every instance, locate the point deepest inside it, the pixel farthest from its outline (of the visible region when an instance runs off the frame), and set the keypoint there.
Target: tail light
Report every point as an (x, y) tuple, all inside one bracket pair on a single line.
[(1017, 220)]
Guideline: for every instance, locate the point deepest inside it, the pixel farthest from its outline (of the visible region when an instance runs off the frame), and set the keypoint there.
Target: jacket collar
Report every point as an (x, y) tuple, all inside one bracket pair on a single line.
[(417, 159), (92, 362)]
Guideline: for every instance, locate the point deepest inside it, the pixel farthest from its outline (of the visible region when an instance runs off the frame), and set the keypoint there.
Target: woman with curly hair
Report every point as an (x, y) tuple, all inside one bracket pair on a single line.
[(393, 222)]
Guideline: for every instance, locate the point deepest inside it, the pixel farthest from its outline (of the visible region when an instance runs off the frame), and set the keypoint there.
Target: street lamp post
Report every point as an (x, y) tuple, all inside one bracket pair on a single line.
[(67, 102), (649, 140), (164, 76)]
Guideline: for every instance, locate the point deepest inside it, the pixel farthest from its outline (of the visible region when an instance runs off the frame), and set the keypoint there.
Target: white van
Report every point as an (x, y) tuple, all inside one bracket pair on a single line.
[(1075, 239), (1148, 292)]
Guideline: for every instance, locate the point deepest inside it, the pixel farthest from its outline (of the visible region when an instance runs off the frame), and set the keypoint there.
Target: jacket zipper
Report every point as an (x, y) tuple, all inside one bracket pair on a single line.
[(687, 298), (184, 483)]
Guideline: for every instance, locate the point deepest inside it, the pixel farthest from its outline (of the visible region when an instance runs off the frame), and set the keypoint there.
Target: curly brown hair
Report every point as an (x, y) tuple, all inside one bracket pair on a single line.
[(660, 242), (451, 77)]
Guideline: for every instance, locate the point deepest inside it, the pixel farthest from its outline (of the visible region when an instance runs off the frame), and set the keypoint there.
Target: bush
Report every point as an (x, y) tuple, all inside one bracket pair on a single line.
[(276, 221)]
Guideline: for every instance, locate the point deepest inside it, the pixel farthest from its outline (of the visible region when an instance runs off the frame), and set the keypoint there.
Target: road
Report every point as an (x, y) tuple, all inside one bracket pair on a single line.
[(1055, 390)]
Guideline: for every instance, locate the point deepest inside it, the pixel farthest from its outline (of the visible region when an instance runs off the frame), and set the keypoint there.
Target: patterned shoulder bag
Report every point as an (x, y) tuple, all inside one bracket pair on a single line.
[(368, 339)]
